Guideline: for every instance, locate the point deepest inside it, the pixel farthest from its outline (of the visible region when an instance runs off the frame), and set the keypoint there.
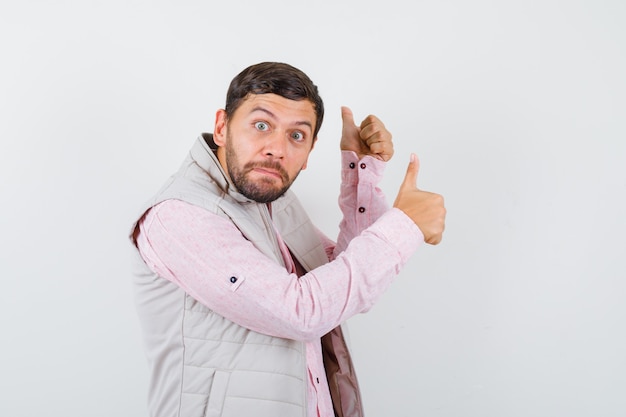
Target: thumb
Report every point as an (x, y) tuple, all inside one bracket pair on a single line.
[(410, 180), (347, 117)]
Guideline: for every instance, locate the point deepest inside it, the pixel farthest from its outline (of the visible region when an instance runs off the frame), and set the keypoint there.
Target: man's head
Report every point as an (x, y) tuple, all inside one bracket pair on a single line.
[(268, 128), (274, 78)]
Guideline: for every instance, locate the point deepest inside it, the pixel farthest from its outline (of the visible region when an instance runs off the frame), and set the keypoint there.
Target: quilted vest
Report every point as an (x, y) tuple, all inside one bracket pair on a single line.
[(203, 365)]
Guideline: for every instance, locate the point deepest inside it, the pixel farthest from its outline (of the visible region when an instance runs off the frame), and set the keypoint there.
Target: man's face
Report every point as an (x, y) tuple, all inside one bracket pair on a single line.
[(265, 144)]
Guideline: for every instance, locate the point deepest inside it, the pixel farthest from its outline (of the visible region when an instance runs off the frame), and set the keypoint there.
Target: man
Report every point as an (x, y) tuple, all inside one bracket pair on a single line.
[(240, 297)]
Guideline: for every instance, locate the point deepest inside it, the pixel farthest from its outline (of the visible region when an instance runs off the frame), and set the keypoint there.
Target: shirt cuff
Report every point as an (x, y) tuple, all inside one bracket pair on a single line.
[(400, 230), (367, 170)]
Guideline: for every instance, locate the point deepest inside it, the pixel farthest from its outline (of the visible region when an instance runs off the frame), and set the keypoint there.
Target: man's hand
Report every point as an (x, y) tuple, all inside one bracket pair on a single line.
[(370, 138), (424, 208)]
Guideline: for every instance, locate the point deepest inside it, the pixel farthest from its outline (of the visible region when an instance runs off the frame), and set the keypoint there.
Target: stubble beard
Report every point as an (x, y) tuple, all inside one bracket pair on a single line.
[(262, 190)]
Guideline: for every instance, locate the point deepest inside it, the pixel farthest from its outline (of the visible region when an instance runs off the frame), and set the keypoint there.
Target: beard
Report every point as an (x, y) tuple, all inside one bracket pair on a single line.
[(263, 190)]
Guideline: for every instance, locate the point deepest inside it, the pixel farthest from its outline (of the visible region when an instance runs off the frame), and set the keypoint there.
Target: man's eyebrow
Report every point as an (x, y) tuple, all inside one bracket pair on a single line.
[(273, 116), (264, 110)]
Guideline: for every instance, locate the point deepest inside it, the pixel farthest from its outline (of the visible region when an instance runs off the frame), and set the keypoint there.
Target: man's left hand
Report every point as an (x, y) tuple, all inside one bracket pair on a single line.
[(370, 138)]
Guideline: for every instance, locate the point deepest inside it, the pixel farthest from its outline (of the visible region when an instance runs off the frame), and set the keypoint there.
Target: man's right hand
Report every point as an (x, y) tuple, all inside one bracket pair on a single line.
[(424, 208)]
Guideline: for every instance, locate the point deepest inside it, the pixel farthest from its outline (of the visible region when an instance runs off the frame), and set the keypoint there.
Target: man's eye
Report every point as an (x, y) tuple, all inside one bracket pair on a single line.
[(262, 126), (297, 136)]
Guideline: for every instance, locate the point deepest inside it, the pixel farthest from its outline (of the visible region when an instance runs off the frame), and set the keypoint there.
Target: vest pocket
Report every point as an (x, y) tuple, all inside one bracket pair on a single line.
[(217, 395)]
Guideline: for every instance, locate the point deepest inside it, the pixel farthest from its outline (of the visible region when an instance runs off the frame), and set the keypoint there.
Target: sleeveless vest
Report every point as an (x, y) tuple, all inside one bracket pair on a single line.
[(203, 365)]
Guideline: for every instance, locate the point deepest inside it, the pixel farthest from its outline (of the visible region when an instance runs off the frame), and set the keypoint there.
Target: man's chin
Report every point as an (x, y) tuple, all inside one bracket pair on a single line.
[(263, 196)]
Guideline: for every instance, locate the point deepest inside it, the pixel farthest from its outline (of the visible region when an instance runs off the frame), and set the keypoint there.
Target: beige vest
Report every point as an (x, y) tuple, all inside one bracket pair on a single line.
[(205, 365)]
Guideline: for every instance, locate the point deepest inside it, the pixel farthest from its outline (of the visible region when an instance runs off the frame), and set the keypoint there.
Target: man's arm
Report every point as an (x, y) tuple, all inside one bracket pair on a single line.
[(360, 200), (207, 256), (365, 149), (426, 209)]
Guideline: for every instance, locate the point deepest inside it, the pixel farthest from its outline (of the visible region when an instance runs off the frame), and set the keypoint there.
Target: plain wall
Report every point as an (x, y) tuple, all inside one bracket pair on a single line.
[(516, 110)]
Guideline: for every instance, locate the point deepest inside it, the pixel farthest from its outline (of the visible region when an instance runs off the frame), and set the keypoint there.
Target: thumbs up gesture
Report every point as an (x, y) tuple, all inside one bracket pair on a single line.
[(369, 138), (424, 208)]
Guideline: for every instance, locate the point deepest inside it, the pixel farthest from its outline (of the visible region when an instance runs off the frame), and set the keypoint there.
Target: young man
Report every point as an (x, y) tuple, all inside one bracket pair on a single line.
[(240, 297)]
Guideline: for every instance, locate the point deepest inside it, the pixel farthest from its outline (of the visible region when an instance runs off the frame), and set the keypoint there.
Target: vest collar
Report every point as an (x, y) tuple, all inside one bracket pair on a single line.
[(204, 153)]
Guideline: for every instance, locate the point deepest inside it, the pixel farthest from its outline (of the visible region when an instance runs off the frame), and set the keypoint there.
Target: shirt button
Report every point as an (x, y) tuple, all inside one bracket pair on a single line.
[(233, 279), (361, 209), (363, 165), (318, 380), (352, 165)]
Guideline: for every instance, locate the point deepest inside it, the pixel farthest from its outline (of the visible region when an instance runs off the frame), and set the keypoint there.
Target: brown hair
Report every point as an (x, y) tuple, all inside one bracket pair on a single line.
[(276, 78)]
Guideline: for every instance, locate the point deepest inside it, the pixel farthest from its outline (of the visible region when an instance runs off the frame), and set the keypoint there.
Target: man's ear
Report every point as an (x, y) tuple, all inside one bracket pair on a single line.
[(219, 133)]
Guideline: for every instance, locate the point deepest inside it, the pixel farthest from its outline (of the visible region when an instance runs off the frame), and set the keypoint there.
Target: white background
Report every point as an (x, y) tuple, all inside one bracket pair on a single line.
[(515, 108)]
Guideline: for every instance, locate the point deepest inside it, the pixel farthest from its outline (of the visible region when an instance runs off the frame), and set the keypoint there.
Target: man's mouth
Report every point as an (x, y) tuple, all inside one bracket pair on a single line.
[(268, 172)]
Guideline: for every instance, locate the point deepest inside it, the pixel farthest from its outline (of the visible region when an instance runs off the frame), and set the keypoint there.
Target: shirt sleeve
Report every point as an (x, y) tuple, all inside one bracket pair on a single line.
[(209, 258), (361, 200)]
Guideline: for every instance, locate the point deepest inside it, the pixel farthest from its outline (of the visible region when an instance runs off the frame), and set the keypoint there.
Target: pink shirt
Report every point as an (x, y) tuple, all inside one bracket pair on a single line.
[(196, 249)]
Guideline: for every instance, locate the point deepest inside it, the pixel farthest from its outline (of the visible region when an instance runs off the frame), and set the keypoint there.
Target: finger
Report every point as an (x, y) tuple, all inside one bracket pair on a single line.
[(434, 240), (371, 126), (380, 138), (410, 180), (347, 117), (371, 120), (383, 149)]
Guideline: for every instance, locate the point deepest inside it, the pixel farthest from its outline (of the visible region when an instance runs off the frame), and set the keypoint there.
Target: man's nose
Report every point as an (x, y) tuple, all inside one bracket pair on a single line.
[(275, 144)]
